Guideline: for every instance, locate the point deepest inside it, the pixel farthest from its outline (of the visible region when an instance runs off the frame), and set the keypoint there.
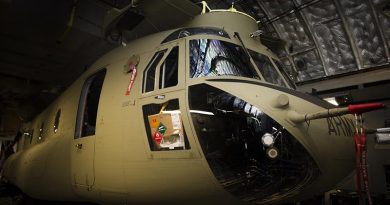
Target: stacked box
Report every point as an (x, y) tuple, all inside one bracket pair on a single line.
[(166, 129)]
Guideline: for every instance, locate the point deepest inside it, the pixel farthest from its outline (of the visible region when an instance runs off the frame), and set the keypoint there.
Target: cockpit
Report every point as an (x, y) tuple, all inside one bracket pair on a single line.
[(216, 56), (251, 154), (212, 57)]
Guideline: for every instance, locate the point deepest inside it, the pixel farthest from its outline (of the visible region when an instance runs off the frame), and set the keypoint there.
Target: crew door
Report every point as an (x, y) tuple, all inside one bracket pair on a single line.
[(163, 104), (83, 146)]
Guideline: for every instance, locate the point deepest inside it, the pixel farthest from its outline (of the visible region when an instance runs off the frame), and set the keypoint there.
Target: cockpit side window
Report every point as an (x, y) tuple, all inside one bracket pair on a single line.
[(282, 70), (164, 127), (169, 69), (211, 57), (150, 72), (88, 105), (267, 69)]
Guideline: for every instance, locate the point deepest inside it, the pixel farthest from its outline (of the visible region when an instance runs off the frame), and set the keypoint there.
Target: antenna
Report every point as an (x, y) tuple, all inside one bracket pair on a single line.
[(232, 7)]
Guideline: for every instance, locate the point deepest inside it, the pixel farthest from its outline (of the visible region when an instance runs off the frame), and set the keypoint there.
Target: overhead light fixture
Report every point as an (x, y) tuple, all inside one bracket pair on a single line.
[(340, 100), (301, 64), (383, 135)]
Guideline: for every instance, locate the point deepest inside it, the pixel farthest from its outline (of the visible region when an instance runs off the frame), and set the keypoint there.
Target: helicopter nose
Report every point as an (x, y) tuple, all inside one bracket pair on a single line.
[(252, 156)]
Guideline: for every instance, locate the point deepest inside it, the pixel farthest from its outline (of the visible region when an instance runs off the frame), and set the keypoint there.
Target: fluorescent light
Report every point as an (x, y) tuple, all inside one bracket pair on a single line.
[(201, 112), (331, 100)]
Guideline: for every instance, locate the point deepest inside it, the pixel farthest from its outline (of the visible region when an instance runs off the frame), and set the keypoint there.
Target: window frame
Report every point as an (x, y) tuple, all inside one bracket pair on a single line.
[(282, 70), (83, 102), (161, 76), (41, 130), (57, 121), (274, 68), (251, 68), (153, 63), (31, 135), (154, 147), (182, 61)]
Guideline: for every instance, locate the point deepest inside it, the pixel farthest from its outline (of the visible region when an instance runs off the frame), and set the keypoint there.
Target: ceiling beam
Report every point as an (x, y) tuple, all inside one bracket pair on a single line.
[(20, 71), (351, 39), (305, 23), (380, 30), (346, 80)]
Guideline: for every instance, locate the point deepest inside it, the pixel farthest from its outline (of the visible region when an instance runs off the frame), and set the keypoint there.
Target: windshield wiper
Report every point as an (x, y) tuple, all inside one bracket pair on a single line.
[(237, 35)]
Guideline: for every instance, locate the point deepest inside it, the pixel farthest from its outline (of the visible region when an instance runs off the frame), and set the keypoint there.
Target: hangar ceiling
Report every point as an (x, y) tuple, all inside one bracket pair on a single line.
[(46, 44), (323, 37)]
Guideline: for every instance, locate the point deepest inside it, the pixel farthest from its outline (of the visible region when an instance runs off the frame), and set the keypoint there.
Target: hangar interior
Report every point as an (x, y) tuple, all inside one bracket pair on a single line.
[(337, 50)]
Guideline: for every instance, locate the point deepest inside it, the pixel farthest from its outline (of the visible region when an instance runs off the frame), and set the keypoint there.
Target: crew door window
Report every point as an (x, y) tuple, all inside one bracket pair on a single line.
[(57, 121), (31, 135), (41, 131), (88, 105), (169, 69)]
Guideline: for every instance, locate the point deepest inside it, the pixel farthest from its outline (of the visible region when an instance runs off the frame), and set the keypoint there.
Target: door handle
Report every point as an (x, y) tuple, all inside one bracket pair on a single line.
[(159, 97), (79, 146)]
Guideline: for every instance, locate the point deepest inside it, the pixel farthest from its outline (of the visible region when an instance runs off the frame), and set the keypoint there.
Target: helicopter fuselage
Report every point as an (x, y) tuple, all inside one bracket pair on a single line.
[(193, 115)]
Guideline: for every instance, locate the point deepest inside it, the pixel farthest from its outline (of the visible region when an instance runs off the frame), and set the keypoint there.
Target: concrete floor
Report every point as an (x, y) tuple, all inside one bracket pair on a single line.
[(22, 200), (6, 201), (10, 195)]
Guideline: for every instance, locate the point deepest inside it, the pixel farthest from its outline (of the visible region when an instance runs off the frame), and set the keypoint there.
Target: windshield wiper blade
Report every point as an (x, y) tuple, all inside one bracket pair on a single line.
[(237, 35)]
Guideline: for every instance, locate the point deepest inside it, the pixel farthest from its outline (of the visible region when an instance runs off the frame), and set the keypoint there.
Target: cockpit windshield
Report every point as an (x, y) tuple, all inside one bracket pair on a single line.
[(210, 57)]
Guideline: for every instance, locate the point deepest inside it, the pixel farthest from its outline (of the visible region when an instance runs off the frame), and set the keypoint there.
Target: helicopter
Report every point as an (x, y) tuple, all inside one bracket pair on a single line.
[(201, 114)]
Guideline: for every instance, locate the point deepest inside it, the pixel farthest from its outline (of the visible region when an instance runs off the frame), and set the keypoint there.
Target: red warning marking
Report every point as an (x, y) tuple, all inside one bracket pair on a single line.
[(133, 69)]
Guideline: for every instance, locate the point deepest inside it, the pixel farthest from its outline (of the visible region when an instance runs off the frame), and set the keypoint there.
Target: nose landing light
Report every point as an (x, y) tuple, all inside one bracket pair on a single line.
[(272, 152), (268, 140)]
